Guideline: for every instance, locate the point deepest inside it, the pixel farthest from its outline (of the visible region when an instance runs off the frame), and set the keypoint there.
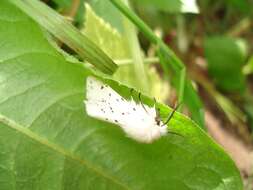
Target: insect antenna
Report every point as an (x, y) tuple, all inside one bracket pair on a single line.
[(171, 114)]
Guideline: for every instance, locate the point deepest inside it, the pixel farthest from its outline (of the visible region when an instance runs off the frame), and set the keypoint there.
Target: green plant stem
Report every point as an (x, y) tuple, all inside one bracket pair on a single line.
[(67, 33), (73, 9)]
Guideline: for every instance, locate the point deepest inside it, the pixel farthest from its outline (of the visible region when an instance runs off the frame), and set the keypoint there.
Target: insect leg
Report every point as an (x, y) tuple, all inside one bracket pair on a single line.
[(131, 91), (157, 111), (171, 114), (155, 101), (139, 96)]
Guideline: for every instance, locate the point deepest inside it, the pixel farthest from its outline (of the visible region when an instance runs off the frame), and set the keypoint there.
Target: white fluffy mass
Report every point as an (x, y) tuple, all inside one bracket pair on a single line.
[(102, 102)]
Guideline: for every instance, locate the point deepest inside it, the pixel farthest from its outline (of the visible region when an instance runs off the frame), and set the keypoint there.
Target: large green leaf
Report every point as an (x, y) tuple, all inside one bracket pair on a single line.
[(47, 141)]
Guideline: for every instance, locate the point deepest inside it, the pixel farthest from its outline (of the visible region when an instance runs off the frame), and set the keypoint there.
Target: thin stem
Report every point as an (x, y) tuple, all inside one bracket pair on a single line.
[(74, 7)]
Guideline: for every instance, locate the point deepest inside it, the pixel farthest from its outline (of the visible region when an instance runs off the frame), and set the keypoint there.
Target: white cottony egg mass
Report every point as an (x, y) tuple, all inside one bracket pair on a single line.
[(138, 121)]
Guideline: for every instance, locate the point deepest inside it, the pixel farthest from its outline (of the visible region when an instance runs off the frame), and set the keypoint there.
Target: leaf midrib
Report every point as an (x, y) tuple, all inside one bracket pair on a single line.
[(12, 124)]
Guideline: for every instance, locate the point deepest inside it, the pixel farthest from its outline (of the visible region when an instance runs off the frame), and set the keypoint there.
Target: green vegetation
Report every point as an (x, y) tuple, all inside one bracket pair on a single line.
[(48, 141)]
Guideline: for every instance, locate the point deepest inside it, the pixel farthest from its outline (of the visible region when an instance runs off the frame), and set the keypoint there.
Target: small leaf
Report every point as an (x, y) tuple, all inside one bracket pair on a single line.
[(226, 57), (104, 36)]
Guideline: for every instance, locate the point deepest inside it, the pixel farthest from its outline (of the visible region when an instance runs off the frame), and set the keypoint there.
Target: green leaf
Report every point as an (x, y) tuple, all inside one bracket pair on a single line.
[(105, 36), (116, 47), (226, 57), (47, 141), (173, 6)]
